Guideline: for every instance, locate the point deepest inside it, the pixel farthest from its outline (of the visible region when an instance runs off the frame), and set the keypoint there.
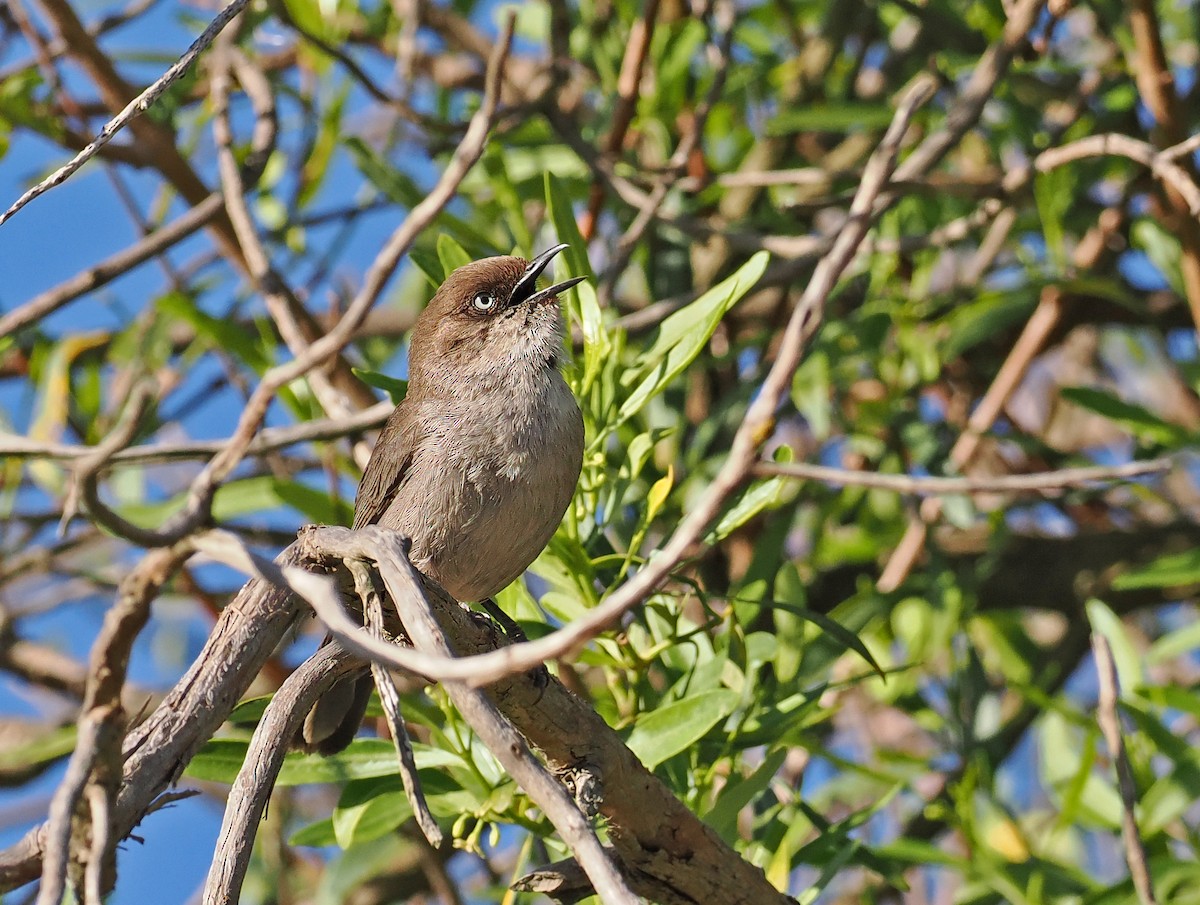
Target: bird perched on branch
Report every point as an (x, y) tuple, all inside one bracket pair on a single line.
[(479, 462)]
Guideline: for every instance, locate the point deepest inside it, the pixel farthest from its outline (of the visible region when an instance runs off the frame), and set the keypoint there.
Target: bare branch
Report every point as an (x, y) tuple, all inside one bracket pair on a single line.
[(269, 440), (1110, 725), (938, 486), (99, 805), (134, 108), (110, 268), (390, 698), (256, 779)]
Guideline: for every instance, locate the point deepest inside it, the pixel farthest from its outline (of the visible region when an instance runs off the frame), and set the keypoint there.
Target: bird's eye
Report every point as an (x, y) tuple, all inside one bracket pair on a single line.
[(484, 302)]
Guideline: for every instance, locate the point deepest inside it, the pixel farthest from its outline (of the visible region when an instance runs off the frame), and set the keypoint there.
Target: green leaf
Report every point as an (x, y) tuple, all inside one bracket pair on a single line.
[(221, 758), (585, 307), (218, 761), (722, 817), (250, 710), (683, 335), (44, 748), (317, 505), (1174, 644), (974, 322), (222, 334), (1125, 655), (1135, 418), (428, 263), (663, 733), (790, 587), (1163, 250), (1052, 191), (562, 215), (451, 254), (387, 179), (1173, 570), (318, 835), (766, 494), (507, 195), (830, 118), (368, 808), (396, 388)]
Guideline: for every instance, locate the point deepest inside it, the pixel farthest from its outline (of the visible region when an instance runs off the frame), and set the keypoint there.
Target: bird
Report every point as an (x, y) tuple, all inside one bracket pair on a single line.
[(479, 461)]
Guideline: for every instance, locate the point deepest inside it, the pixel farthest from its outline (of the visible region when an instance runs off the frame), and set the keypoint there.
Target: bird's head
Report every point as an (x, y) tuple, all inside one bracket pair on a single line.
[(487, 320)]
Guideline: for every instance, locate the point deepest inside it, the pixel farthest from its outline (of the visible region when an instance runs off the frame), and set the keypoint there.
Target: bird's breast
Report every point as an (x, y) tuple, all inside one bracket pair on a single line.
[(490, 485)]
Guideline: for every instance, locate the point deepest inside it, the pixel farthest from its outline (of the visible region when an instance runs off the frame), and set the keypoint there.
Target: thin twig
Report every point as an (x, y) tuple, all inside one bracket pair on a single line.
[(100, 807), (252, 788), (134, 108), (629, 82), (1155, 80), (939, 486), (87, 472), (62, 810), (110, 268), (725, 14), (1110, 725), (1114, 144), (269, 440), (390, 698)]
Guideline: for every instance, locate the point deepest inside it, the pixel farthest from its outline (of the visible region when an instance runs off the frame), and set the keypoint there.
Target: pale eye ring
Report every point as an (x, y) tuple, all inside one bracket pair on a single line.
[(483, 302)]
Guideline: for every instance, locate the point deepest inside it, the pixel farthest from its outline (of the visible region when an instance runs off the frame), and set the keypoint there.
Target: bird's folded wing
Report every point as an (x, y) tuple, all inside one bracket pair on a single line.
[(387, 468)]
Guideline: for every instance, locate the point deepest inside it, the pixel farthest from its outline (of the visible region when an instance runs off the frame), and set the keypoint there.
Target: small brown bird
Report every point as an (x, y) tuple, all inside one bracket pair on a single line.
[(480, 460)]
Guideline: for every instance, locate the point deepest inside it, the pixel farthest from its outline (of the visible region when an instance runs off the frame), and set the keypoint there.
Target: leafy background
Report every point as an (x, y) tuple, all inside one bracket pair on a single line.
[(930, 742)]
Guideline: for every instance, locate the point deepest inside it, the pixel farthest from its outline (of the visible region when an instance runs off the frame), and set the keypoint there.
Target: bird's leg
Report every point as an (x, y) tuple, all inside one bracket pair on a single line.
[(514, 631), (516, 634)]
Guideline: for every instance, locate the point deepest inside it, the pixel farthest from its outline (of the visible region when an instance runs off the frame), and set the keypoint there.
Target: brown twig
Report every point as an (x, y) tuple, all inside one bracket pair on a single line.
[(724, 15), (133, 109), (978, 90), (1114, 144), (390, 698), (1156, 86), (935, 486), (110, 268), (102, 719), (87, 471), (255, 781), (269, 440), (629, 82), (1110, 725), (99, 806)]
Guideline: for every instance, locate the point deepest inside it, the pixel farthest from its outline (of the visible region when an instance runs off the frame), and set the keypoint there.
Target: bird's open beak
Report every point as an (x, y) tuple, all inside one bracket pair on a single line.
[(523, 292)]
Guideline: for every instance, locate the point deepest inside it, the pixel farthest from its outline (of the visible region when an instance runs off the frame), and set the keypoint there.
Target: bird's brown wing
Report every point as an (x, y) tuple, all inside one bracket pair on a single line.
[(388, 467)]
